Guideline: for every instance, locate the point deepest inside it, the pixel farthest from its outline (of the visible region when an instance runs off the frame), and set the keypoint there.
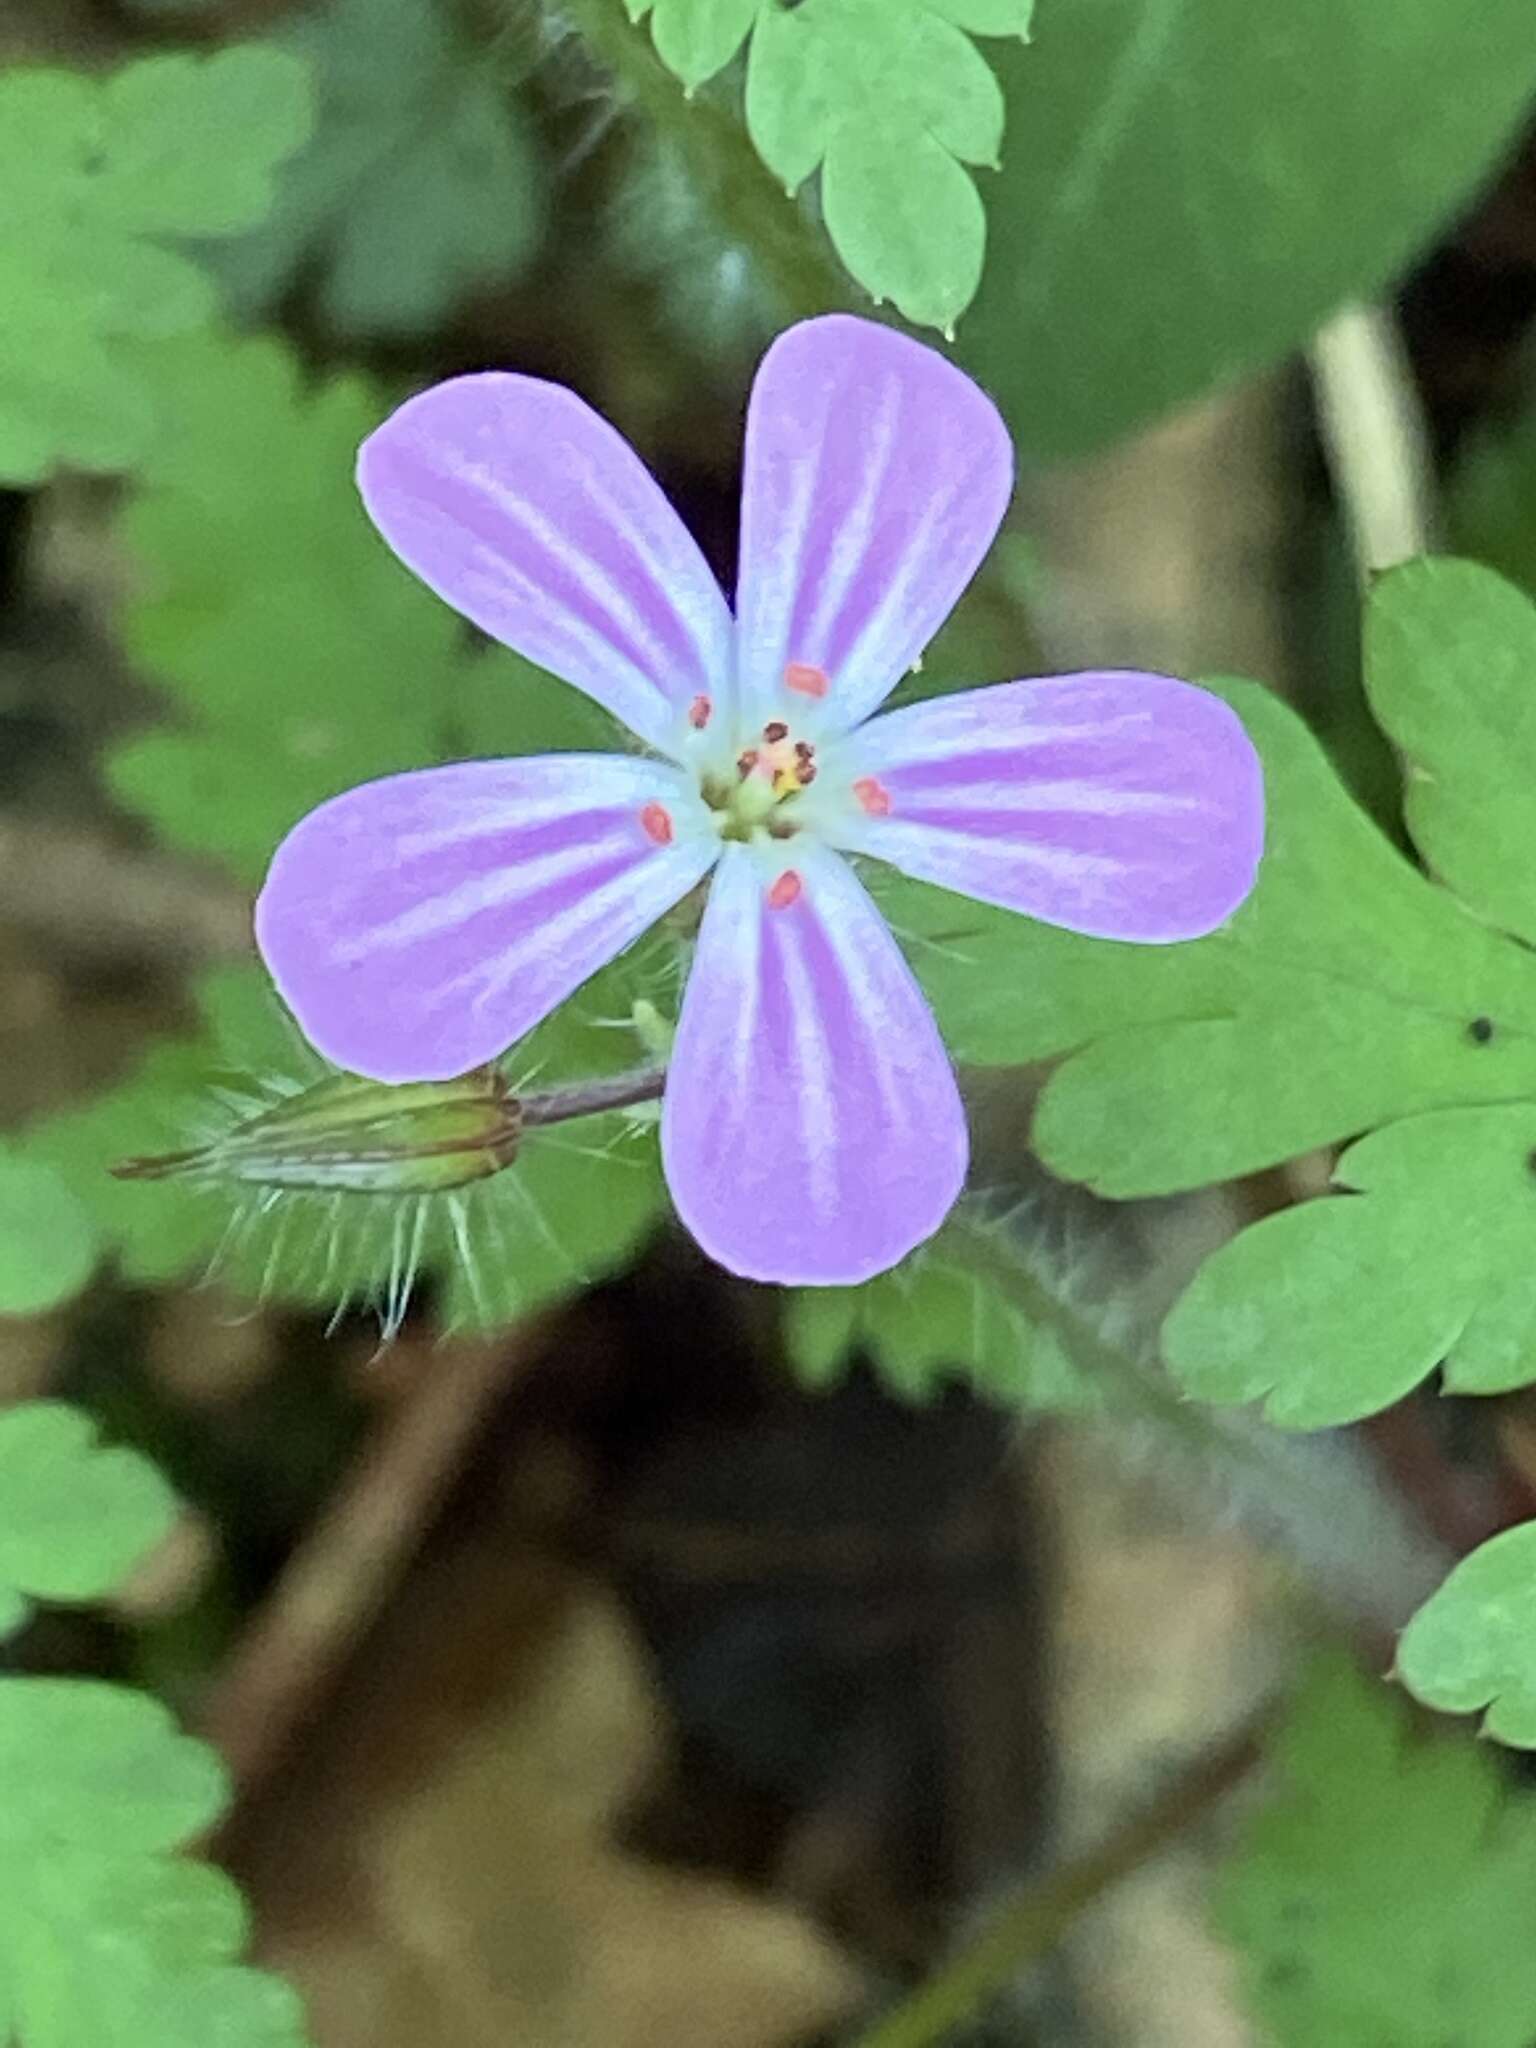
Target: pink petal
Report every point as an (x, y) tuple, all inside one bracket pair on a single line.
[(812, 1132), (529, 514), (1122, 805), (877, 475), (420, 925)]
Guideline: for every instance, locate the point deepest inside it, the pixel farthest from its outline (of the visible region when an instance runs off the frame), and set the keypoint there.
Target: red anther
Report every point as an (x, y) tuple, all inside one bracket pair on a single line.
[(656, 823), (775, 731), (873, 796), (805, 773), (808, 680), (746, 762), (698, 713), (785, 890)]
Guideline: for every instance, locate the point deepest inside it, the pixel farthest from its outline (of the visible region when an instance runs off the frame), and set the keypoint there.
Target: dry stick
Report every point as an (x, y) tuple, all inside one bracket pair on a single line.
[(338, 1581), (1026, 1929), (106, 901)]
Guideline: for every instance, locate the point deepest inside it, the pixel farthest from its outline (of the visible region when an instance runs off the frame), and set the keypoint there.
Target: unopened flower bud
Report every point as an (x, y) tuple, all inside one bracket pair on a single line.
[(345, 1133)]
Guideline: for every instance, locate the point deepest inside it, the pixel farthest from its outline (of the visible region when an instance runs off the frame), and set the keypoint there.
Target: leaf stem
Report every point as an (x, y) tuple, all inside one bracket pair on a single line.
[(1033, 1922), (725, 169)]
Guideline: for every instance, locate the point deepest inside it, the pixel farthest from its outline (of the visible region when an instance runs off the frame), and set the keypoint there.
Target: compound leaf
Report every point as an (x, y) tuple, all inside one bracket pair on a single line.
[(1473, 1643), (75, 1516), (421, 183), (48, 1242), (1372, 1890), (101, 176), (1338, 1307), (107, 1936)]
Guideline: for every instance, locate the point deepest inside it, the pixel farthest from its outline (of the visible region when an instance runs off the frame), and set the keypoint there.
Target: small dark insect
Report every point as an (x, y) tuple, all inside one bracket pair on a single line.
[(1480, 1030), (789, 5)]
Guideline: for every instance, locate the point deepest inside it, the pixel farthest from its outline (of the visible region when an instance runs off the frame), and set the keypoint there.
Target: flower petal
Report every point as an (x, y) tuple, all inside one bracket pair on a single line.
[(529, 514), (420, 925), (877, 475), (1122, 805), (812, 1132)]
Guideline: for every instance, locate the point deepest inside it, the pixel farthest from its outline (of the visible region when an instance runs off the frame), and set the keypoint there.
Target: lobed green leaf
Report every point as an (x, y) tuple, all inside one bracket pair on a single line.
[(48, 1245), (75, 1516), (1473, 1643), (421, 183), (106, 1935), (1371, 1891), (101, 176)]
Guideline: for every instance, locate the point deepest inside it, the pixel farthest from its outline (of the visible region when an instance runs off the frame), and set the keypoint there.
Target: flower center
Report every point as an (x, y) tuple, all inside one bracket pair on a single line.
[(758, 795)]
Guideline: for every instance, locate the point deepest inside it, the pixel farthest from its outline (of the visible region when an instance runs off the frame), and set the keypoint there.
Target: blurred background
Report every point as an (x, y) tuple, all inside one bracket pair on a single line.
[(596, 1681)]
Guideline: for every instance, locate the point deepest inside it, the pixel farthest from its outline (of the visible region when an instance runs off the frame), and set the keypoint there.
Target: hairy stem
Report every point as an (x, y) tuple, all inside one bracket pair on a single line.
[(1030, 1925), (724, 168)]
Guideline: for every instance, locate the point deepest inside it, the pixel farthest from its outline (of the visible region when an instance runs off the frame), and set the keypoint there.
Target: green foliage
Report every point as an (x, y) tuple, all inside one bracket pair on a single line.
[(1450, 651), (1337, 1308), (75, 1517), (576, 1203), (421, 183), (1473, 1643), (107, 1937), (932, 1321), (1342, 995), (1383, 1897), (1190, 189), (304, 659), (891, 100), (47, 1239), (101, 178)]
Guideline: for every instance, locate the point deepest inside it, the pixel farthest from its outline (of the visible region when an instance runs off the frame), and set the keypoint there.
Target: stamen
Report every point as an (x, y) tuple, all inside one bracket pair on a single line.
[(873, 796), (656, 823), (785, 890), (809, 681), (746, 761), (777, 730), (805, 773), (698, 713)]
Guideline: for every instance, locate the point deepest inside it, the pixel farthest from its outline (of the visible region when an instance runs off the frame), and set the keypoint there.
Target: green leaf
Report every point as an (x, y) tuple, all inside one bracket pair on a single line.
[(890, 99), (1338, 1307), (930, 1322), (1473, 1643), (1450, 653), (106, 1936), (1343, 994), (1383, 1896), (75, 1516), (1192, 186), (47, 1240), (421, 184), (303, 657), (99, 176)]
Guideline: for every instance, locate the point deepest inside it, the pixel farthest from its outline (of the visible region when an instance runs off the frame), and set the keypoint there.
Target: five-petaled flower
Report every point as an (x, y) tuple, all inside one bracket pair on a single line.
[(812, 1130)]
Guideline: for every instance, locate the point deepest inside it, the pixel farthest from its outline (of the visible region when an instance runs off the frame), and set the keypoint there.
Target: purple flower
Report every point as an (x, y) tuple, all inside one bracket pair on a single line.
[(812, 1131)]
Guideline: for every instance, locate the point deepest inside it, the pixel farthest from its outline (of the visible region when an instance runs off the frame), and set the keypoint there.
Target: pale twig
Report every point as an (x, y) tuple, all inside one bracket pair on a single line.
[(1374, 432)]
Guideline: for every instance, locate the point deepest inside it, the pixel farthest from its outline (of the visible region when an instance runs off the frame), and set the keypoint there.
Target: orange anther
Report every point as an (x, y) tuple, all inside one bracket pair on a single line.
[(698, 713), (785, 890), (809, 681), (656, 823), (873, 796)]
